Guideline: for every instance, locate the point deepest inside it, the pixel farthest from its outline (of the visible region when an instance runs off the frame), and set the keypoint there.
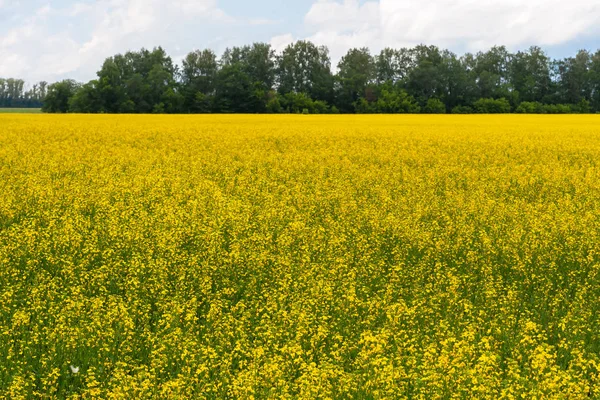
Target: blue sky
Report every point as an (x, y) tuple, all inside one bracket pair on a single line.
[(54, 39)]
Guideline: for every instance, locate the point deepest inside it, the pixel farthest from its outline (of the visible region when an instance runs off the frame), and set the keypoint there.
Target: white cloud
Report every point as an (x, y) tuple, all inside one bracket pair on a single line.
[(72, 42), (49, 42), (263, 21), (282, 41), (465, 24), (347, 15), (478, 24)]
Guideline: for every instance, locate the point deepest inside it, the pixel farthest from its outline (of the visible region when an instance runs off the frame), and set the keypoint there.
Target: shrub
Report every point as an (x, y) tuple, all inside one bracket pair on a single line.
[(558, 109), (58, 96), (320, 107), (274, 106), (158, 108), (203, 103), (462, 110), (301, 103), (362, 106), (584, 107), (390, 100), (492, 106), (435, 106), (530, 107)]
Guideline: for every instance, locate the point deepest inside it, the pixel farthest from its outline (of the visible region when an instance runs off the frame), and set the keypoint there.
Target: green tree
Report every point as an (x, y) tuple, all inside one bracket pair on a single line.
[(254, 79), (304, 67), (393, 66), (594, 82), (356, 73), (574, 74), (491, 69), (458, 84), (426, 79), (58, 96), (530, 107), (274, 104), (462, 110), (235, 92), (138, 82), (257, 63), (198, 75), (530, 75), (492, 106), (434, 106), (389, 99), (86, 99)]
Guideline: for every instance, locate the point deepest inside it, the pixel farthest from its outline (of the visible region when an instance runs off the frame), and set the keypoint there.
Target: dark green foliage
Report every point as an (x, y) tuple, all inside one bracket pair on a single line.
[(274, 104), (594, 82), (530, 75), (245, 80), (462, 110), (393, 65), (235, 92), (14, 95), (138, 82), (391, 99), (356, 73), (254, 79), (198, 77), (492, 73), (305, 68), (87, 99), (203, 103), (530, 107), (584, 107), (492, 106), (575, 77), (538, 108), (58, 96), (296, 103), (559, 109), (426, 78), (435, 106)]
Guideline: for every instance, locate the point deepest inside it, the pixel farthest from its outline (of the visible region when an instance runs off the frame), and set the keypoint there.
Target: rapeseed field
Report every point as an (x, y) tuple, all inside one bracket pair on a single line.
[(330, 257)]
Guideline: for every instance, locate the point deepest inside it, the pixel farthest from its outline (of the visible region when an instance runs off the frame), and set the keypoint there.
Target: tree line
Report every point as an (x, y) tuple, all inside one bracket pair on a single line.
[(300, 79), (13, 94)]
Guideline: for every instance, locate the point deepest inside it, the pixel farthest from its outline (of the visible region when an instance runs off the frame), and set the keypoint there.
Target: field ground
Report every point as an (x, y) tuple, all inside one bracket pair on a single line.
[(20, 110), (299, 256)]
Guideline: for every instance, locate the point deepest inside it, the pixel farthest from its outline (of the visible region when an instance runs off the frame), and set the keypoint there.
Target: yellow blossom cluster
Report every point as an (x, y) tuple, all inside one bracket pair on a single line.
[(299, 257)]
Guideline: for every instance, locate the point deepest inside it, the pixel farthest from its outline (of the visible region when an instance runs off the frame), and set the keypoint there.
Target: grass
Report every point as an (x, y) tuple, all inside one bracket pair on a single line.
[(20, 110)]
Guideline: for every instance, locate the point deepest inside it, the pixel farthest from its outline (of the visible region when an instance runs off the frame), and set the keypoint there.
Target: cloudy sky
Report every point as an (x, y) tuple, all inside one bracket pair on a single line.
[(53, 39)]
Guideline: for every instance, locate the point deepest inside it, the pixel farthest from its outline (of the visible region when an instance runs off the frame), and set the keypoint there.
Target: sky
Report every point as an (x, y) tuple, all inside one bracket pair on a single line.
[(56, 39)]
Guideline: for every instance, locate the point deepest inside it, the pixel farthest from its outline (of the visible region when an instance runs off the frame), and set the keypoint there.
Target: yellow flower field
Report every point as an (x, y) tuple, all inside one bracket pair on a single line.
[(331, 257)]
